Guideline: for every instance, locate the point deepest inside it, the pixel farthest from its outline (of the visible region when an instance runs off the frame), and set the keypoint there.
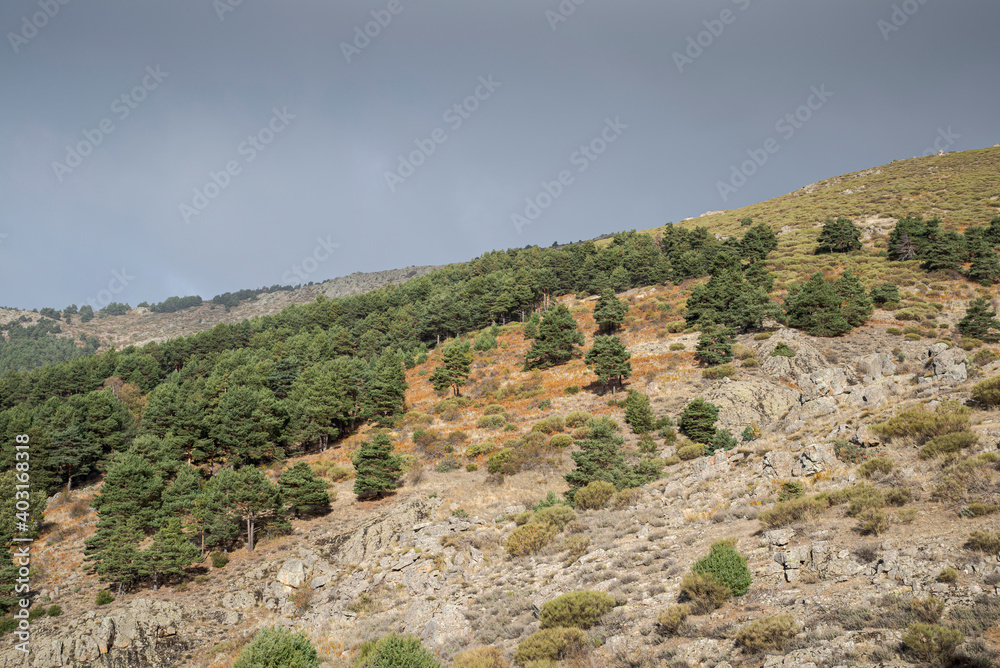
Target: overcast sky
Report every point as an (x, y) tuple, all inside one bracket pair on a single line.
[(150, 149)]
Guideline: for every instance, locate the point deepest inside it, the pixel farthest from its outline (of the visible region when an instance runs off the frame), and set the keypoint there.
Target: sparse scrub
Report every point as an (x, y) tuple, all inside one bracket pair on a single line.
[(491, 421), (561, 441), (987, 392), (549, 645), (103, 597), (767, 633), (594, 495), (932, 643), (859, 497), (720, 371), (692, 451), (670, 620), (922, 425), (984, 541), (395, 651), (880, 465), (703, 593), (874, 522), (577, 419), (480, 657), (784, 513), (579, 609), (948, 443)]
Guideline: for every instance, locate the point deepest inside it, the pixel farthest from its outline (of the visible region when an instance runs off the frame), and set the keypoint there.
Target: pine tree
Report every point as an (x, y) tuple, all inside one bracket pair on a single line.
[(639, 413), (729, 299), (73, 454), (984, 269), (610, 312), (302, 490), (244, 425), (558, 340), (376, 468), (453, 372), (609, 359), (715, 345), (253, 498), (698, 421), (884, 293), (942, 251), (758, 242), (180, 498), (170, 553), (530, 327), (839, 236), (12, 511), (385, 391), (857, 304), (600, 457), (120, 561), (980, 321), (814, 307)]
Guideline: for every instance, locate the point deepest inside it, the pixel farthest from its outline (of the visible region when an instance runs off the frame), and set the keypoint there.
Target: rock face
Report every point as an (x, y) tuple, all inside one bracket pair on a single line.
[(745, 402), (144, 634), (876, 366), (948, 364)]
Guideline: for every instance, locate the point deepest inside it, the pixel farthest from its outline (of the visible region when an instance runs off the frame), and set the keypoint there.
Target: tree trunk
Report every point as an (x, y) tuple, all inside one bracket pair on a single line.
[(250, 528)]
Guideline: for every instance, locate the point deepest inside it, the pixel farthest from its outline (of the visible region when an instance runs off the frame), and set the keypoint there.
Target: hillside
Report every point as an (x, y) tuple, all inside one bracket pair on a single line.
[(856, 528)]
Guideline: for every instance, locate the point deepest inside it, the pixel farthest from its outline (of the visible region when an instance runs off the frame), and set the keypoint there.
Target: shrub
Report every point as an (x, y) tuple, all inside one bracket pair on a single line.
[(791, 490), (698, 420), (278, 648), (751, 363), (549, 644), (859, 497), (984, 541), (948, 443), (495, 409), (767, 633), (103, 597), (448, 464), (580, 434), (762, 336), (984, 357), (594, 495), (54, 611), (727, 566), (549, 425), (483, 448), (555, 517), (948, 575), (480, 657), (491, 421), (219, 559), (35, 613), (987, 392), (873, 522), (720, 371), (561, 441), (932, 642), (577, 419), (497, 460), (703, 593), (881, 465), (528, 539), (677, 346), (922, 425), (782, 350), (571, 390), (978, 510), (395, 651), (579, 609), (671, 619), (723, 440), (692, 451), (899, 496), (742, 352), (849, 452), (624, 498), (895, 331)]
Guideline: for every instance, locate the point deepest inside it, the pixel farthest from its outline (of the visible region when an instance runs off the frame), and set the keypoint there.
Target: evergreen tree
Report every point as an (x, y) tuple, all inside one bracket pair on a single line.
[(839, 236), (530, 327), (729, 299), (908, 238), (884, 293), (857, 304), (86, 313), (11, 515), (385, 391), (814, 307), (214, 517), (376, 468), (279, 648), (758, 276), (639, 413), (244, 426), (302, 490), (609, 359), (980, 321), (942, 251), (600, 457), (119, 561), (170, 553), (698, 421), (609, 313), (992, 234), (715, 345), (984, 269), (757, 243), (251, 497), (180, 498), (453, 372), (8, 578), (558, 340)]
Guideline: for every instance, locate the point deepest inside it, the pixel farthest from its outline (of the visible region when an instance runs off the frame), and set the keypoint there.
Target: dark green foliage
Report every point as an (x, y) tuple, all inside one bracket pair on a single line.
[(119, 560), (219, 559), (941, 251), (579, 609), (246, 496), (395, 651), (609, 359), (815, 307), (557, 342), (170, 553), (54, 611), (302, 491), (980, 321), (103, 597), (856, 304), (839, 236), (782, 349), (530, 327), (727, 566), (885, 292), (715, 345), (114, 308), (610, 312), (386, 384), (729, 299), (758, 242), (278, 648), (174, 304), (698, 421), (486, 341), (723, 440), (549, 645), (453, 372), (987, 392), (86, 313), (984, 268), (601, 458), (638, 413), (376, 467)]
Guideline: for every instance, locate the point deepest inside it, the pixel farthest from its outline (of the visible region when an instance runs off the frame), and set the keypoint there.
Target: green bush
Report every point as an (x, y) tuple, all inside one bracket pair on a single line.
[(859, 497), (922, 425), (580, 434), (577, 419), (692, 451), (947, 575), (727, 566), (35, 613), (594, 495), (767, 633), (703, 593), (978, 510), (480, 657), (698, 420), (792, 510), (448, 464), (496, 461), (549, 425), (580, 609), (483, 448), (219, 559), (791, 490), (103, 597), (670, 620), (782, 350), (54, 610), (875, 465), (549, 644), (720, 371), (495, 409), (528, 539), (7, 624), (762, 336), (395, 651), (874, 522), (555, 517), (278, 648), (987, 392), (984, 541), (948, 443), (933, 643), (984, 357), (491, 421), (561, 441), (677, 346)]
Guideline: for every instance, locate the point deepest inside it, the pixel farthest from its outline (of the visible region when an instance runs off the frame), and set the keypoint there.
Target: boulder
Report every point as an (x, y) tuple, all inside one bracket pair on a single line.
[(292, 573), (745, 402), (876, 366), (949, 365)]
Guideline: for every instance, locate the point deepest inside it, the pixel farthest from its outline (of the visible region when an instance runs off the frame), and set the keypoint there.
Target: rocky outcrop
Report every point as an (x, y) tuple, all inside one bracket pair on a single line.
[(745, 402), (948, 364)]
